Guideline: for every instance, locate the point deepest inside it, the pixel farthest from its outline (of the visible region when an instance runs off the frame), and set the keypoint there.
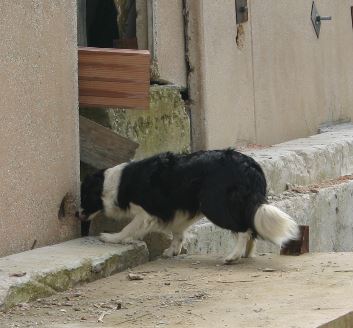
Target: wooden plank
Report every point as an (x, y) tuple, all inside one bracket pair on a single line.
[(101, 148), (114, 73), (101, 56), (91, 101), (125, 86), (113, 77)]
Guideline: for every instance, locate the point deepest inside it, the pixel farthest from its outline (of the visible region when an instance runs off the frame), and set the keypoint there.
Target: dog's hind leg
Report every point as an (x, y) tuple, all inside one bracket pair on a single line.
[(250, 250), (180, 224), (240, 247)]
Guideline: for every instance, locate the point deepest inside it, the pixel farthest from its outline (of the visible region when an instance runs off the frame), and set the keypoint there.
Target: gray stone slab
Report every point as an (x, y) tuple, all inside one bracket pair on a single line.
[(44, 271), (307, 160)]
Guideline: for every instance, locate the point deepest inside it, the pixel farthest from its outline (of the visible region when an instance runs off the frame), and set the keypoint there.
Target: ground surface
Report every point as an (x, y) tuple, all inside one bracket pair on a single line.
[(268, 291)]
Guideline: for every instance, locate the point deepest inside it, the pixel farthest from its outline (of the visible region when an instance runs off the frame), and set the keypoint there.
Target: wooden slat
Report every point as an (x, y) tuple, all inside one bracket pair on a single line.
[(114, 77), (92, 101), (125, 86), (102, 148), (113, 56), (124, 73)]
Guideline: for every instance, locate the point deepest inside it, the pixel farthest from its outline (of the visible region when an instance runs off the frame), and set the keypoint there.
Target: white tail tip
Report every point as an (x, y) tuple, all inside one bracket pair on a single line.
[(274, 225)]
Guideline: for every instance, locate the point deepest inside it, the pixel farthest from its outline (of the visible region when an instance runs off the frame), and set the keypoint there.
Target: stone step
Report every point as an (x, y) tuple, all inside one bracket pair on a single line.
[(307, 160), (328, 211), (44, 271)]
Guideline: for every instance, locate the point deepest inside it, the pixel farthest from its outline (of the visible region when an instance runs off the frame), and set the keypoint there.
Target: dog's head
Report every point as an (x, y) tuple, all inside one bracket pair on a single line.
[(91, 196)]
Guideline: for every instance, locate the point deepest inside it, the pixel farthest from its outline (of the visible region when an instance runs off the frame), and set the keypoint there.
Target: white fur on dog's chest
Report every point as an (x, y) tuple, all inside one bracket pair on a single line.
[(110, 193)]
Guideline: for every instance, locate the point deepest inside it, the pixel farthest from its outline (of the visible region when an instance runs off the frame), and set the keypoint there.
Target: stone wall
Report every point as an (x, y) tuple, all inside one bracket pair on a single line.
[(165, 126)]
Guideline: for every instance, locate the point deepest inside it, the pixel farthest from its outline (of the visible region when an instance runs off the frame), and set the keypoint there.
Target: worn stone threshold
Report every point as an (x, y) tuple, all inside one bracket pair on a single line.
[(44, 271)]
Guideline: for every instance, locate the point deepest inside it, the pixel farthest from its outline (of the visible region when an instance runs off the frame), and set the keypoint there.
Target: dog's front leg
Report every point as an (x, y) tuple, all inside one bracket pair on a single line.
[(135, 230), (175, 246)]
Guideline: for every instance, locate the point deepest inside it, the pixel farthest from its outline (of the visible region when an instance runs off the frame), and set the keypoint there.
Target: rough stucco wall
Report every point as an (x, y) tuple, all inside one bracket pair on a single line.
[(39, 152), (300, 81), (224, 70), (279, 82)]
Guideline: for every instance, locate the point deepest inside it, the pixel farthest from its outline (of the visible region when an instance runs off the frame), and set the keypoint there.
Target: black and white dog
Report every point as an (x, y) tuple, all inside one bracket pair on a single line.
[(169, 192)]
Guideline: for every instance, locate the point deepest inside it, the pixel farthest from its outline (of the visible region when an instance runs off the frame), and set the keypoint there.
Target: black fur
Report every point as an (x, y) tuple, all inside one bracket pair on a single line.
[(91, 192), (224, 185)]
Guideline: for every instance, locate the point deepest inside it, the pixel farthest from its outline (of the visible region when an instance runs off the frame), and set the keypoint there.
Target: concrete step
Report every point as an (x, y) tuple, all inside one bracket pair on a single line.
[(307, 160), (44, 271), (327, 210)]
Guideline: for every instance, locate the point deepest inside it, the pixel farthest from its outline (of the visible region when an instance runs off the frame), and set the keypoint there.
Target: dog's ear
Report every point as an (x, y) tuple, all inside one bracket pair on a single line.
[(96, 182), (93, 181), (91, 193)]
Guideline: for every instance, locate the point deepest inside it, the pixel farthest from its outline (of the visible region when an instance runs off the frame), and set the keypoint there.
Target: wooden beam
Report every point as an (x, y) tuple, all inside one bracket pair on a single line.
[(113, 77), (101, 148)]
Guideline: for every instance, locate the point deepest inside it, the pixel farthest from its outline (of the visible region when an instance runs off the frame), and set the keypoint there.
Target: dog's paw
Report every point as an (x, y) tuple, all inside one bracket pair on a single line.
[(231, 259), (170, 252), (109, 238), (115, 238), (129, 241)]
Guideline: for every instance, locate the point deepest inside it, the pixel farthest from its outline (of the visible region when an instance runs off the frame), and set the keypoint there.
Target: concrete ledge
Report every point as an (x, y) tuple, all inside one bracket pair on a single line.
[(56, 268), (327, 211), (341, 322), (308, 160)]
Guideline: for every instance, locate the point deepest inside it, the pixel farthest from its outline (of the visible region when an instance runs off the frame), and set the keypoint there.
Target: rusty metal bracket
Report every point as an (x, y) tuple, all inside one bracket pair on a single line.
[(241, 10), (299, 246)]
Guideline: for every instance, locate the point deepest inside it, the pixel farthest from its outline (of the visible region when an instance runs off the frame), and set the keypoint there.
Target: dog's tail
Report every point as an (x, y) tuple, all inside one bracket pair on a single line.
[(274, 225)]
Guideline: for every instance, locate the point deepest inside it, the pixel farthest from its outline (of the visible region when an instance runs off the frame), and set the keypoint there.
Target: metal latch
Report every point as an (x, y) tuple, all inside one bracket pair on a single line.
[(241, 10), (316, 19)]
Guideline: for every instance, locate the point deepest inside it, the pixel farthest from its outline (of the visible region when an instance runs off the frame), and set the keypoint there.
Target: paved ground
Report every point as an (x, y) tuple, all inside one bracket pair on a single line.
[(268, 291)]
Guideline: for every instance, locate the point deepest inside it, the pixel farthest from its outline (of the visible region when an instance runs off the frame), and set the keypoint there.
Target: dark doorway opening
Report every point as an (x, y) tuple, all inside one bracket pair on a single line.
[(111, 24), (101, 23)]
